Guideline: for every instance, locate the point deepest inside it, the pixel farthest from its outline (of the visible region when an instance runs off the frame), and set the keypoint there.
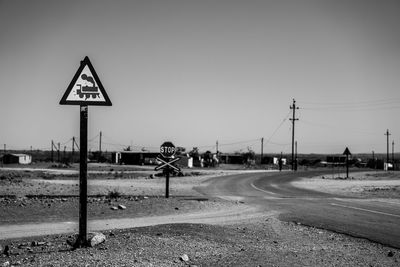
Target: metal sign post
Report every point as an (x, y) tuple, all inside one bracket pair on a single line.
[(166, 164), (347, 153), (82, 238), (167, 182), (85, 89)]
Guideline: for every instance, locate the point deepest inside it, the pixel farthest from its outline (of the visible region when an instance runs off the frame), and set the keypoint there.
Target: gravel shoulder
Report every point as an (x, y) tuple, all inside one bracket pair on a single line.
[(262, 242)]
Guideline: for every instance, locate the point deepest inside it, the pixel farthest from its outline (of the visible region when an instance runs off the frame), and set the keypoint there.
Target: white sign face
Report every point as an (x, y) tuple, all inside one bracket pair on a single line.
[(86, 88)]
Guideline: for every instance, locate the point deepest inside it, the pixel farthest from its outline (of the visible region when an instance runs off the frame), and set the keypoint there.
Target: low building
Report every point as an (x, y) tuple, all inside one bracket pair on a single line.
[(134, 158), (231, 158), (17, 159), (276, 161), (185, 161), (146, 158)]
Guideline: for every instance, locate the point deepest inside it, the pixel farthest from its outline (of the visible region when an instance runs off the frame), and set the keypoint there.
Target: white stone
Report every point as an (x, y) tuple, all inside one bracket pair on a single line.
[(95, 239), (185, 258)]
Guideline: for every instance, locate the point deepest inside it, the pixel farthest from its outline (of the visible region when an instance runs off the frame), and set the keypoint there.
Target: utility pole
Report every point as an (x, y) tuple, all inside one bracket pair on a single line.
[(64, 154), (293, 119), (295, 156), (373, 159), (100, 147), (76, 144), (393, 153), (5, 148), (52, 151), (262, 150), (216, 147), (387, 147), (73, 149), (58, 152)]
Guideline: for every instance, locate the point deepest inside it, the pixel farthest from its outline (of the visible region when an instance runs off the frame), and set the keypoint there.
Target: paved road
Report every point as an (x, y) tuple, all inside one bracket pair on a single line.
[(375, 220)]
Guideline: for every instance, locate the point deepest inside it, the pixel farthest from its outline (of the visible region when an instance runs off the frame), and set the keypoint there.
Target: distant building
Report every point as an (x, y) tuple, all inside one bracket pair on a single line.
[(231, 158), (338, 159), (276, 161), (17, 159), (146, 158), (134, 158)]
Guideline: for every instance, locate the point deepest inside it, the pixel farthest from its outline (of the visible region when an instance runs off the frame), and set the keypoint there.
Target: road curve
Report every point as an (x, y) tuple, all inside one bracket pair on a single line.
[(377, 221)]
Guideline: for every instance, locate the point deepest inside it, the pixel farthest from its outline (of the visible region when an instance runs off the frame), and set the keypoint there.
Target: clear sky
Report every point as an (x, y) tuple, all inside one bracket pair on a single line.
[(194, 72)]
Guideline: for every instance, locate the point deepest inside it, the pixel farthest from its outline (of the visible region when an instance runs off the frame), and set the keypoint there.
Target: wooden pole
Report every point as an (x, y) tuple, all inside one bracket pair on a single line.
[(262, 150)]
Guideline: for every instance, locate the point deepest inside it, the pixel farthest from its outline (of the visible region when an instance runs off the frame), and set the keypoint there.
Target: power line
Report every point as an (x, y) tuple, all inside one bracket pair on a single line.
[(367, 105), (277, 128), (355, 103), (322, 125), (347, 109)]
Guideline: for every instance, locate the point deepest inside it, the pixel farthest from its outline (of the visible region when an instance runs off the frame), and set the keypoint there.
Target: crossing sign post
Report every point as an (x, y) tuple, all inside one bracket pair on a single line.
[(347, 153), (85, 89), (167, 151)]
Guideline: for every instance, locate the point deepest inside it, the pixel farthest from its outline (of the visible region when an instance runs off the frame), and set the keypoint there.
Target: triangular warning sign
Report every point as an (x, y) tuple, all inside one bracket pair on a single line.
[(85, 88), (347, 152)]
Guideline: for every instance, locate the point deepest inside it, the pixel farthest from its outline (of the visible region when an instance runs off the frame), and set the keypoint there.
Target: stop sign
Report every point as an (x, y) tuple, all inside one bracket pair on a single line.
[(167, 149)]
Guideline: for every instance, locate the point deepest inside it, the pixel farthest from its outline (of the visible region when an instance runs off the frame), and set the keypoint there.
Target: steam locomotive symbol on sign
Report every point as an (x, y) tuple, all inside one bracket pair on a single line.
[(88, 91)]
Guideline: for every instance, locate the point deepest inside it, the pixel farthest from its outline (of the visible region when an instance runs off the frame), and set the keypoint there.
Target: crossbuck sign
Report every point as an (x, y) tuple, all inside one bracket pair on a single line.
[(166, 163)]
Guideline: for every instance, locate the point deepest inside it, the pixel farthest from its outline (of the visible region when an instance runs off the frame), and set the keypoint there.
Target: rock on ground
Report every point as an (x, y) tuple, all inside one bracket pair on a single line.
[(95, 239)]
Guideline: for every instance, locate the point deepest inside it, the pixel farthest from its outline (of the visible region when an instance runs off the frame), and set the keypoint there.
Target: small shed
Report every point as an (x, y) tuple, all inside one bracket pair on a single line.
[(17, 158)]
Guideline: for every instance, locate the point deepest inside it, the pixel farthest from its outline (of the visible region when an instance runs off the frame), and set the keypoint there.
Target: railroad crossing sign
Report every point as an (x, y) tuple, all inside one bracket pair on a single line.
[(85, 88), (167, 149), (166, 163)]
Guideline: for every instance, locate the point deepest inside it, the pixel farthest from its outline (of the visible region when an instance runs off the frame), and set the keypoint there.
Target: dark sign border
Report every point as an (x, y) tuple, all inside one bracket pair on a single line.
[(64, 101)]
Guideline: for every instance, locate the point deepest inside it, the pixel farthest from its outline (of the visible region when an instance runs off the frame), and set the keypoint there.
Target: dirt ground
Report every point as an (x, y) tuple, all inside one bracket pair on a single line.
[(51, 195), (265, 242), (36, 196)]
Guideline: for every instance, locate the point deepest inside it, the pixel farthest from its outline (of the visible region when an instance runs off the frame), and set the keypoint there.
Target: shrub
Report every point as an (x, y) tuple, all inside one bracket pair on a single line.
[(114, 194)]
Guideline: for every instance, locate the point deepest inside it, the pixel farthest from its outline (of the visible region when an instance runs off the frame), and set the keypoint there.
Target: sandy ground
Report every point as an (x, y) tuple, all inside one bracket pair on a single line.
[(39, 181), (152, 187), (373, 184), (225, 233), (27, 197)]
